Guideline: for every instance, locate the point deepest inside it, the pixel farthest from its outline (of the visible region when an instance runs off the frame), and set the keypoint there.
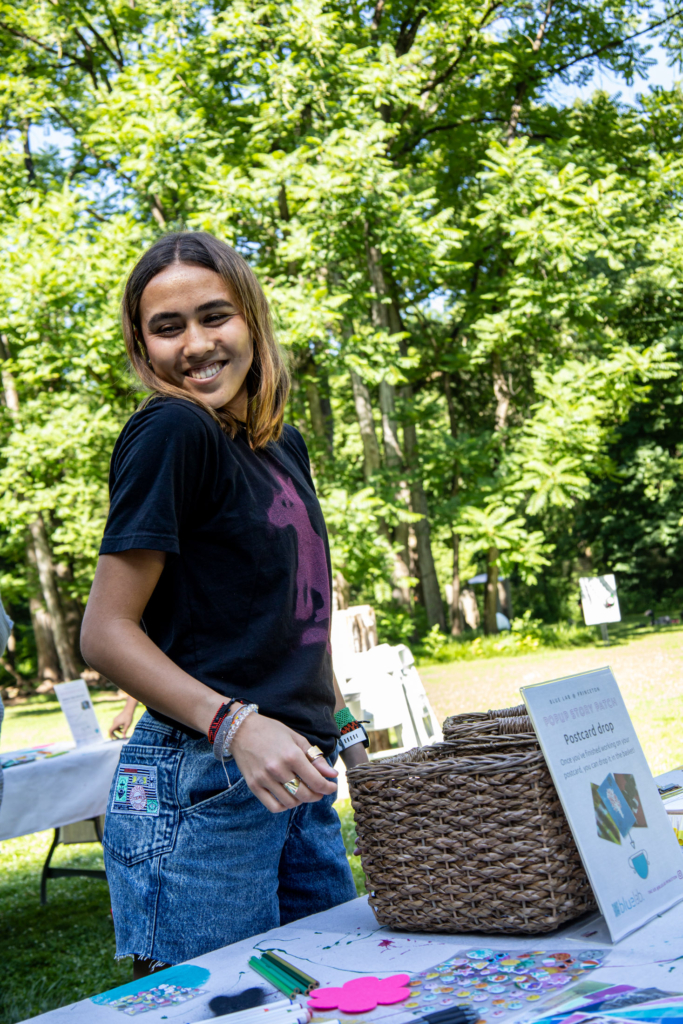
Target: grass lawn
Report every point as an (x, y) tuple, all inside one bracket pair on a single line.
[(65, 951), (648, 668), (56, 954)]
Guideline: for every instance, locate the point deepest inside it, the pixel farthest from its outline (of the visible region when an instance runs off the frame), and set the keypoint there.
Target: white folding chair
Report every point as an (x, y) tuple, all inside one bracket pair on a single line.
[(382, 687)]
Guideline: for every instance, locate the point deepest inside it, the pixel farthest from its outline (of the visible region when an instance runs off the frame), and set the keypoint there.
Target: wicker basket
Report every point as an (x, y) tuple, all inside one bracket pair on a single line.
[(469, 835), (490, 731)]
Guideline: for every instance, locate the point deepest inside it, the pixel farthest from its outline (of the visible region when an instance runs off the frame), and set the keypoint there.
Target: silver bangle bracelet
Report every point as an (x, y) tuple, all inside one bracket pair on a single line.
[(222, 731), (228, 728), (242, 713)]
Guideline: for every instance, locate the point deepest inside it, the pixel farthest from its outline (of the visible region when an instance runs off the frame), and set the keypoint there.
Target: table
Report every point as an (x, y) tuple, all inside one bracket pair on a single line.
[(58, 790), (347, 942)]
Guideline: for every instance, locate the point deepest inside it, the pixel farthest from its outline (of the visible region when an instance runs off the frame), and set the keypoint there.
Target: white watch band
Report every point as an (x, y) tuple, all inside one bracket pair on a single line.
[(349, 739)]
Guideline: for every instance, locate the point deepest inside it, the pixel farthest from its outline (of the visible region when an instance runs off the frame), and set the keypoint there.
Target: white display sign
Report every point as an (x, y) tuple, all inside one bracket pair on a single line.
[(599, 599), (626, 842), (74, 700)]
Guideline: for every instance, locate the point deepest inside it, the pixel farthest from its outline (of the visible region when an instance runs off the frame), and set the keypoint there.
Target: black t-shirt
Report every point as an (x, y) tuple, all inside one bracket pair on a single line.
[(243, 603)]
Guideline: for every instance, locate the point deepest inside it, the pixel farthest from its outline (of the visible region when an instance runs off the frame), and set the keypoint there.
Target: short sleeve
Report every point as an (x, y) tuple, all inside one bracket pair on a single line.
[(294, 441), (158, 469)]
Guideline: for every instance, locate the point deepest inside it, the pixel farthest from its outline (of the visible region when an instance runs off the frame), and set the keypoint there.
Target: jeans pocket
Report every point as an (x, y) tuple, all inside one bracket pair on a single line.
[(142, 815)]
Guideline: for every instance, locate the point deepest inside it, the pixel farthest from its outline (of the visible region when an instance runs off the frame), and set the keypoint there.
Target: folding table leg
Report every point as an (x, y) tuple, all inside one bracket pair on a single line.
[(49, 872), (45, 874)]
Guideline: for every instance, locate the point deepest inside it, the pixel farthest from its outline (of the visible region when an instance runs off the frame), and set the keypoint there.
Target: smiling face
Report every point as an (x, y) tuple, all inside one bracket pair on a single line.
[(195, 337)]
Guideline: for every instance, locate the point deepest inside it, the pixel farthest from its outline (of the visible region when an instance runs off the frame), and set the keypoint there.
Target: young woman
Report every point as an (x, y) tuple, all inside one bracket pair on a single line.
[(211, 605)]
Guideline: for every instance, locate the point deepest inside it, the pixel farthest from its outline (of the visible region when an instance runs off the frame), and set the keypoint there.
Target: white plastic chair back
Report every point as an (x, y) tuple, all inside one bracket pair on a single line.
[(383, 687)]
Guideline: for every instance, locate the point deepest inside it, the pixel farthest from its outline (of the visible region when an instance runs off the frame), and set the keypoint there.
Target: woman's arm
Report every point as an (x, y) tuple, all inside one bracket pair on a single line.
[(357, 754), (267, 752)]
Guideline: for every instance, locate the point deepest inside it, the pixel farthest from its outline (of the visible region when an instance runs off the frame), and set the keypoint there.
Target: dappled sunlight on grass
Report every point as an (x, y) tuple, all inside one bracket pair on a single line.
[(63, 952), (648, 669)]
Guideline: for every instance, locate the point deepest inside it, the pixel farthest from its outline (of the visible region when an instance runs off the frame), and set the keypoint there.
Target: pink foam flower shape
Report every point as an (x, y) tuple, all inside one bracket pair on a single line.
[(360, 995)]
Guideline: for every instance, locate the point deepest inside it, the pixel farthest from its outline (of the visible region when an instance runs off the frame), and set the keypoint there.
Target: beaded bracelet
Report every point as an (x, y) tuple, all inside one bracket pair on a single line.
[(228, 728), (221, 732), (244, 712), (220, 716), (343, 717)]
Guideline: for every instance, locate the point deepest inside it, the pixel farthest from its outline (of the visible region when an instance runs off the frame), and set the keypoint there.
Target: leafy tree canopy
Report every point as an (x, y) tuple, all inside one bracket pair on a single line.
[(477, 285)]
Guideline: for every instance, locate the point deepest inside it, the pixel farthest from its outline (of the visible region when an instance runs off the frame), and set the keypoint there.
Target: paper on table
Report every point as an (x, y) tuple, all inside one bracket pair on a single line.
[(74, 700), (503, 986), (13, 758), (670, 786)]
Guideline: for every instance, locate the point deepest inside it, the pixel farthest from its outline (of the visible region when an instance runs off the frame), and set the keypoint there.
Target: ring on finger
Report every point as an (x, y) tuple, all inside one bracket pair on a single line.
[(292, 786), (313, 753)]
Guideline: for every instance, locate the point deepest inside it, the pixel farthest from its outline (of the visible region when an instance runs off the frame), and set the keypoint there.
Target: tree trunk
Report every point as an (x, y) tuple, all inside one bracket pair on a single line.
[(470, 608), (385, 314), (491, 596), (387, 403), (319, 408), (328, 421), (296, 404), (457, 618), (56, 634), (361, 399), (48, 663), (457, 623), (393, 457), (48, 584), (73, 611), (501, 391), (371, 464), (521, 87), (315, 408), (431, 593), (341, 592), (9, 388)]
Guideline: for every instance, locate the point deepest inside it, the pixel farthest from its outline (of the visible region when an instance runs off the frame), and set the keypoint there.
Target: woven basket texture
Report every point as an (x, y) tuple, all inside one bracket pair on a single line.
[(469, 835), (497, 731)]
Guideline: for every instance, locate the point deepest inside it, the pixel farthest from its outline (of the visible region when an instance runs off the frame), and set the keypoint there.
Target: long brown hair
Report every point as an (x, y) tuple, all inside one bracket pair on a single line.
[(267, 379)]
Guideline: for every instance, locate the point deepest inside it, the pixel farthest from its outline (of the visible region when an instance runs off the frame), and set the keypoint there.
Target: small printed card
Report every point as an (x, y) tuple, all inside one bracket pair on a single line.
[(614, 809), (74, 700)]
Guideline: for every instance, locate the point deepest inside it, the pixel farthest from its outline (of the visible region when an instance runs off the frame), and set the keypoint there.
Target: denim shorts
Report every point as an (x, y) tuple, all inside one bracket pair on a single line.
[(194, 865)]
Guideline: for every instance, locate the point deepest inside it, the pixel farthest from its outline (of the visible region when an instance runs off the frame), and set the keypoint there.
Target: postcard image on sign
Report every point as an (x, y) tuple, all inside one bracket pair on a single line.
[(612, 803)]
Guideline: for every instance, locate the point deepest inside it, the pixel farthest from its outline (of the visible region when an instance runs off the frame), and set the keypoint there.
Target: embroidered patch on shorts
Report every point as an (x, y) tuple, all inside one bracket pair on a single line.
[(135, 791)]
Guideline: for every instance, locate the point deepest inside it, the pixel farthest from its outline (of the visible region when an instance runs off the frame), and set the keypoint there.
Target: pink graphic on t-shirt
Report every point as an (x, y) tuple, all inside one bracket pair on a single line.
[(311, 575)]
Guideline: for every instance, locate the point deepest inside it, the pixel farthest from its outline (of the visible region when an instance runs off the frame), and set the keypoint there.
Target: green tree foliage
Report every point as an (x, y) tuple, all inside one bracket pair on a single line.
[(477, 285)]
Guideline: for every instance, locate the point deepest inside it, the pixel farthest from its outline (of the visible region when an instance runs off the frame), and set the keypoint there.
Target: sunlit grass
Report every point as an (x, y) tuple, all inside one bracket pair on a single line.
[(65, 951)]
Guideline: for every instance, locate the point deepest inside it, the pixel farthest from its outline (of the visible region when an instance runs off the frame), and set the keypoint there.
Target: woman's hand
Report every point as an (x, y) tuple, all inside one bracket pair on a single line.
[(123, 721), (269, 753)]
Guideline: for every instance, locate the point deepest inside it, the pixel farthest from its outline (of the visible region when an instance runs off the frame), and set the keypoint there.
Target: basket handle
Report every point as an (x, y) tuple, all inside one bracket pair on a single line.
[(510, 726), (516, 712)]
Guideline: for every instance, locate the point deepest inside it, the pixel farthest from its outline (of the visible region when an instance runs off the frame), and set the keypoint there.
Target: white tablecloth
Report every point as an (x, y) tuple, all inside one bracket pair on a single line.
[(347, 942), (59, 790)]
